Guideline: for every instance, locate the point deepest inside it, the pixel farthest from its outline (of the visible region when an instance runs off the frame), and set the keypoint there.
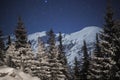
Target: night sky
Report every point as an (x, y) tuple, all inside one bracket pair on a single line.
[(62, 15)]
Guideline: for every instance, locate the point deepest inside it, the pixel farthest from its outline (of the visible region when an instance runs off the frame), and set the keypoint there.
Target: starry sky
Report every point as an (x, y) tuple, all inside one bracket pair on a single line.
[(61, 15)]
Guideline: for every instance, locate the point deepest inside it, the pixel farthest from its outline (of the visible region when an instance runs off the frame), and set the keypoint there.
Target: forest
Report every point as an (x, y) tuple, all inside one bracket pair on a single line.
[(50, 62)]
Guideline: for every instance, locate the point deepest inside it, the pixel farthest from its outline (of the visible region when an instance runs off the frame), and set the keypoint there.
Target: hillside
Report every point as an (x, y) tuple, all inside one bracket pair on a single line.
[(72, 42)]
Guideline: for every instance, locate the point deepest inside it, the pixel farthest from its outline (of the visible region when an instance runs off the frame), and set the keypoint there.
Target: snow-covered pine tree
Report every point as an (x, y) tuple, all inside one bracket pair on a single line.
[(21, 41), (24, 56), (21, 58), (20, 53), (116, 47), (106, 44), (2, 47), (28, 58), (85, 65), (41, 66), (62, 56), (41, 55), (56, 66), (10, 54), (76, 69), (95, 68)]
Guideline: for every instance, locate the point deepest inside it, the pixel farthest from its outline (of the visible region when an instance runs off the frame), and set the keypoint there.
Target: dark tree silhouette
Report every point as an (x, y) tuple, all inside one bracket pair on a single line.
[(20, 33)]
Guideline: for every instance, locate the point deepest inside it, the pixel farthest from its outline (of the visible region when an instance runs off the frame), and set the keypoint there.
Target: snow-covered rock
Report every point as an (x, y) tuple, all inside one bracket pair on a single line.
[(7, 73), (72, 42)]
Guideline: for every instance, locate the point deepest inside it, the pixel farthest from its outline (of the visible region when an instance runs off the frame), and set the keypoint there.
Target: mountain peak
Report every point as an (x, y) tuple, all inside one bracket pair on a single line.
[(72, 42), (87, 33)]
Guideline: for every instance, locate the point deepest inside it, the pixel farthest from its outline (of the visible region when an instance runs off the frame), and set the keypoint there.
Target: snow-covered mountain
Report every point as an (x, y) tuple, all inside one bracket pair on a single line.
[(72, 42)]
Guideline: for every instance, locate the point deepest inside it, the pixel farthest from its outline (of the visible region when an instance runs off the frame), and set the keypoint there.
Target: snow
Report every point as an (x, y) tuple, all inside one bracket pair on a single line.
[(7, 73), (33, 38), (84, 34), (36, 35), (72, 42)]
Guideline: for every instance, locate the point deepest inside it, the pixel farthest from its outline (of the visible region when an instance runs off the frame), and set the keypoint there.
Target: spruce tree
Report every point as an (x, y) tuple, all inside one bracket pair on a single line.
[(20, 33), (116, 47), (85, 65), (20, 52), (76, 69), (56, 67), (21, 58), (41, 54), (95, 68), (10, 55), (51, 42), (9, 40), (27, 58), (41, 66), (107, 62), (106, 43), (62, 56), (2, 47)]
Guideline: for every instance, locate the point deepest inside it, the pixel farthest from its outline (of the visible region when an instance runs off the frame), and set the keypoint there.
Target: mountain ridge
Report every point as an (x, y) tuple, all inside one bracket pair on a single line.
[(72, 42)]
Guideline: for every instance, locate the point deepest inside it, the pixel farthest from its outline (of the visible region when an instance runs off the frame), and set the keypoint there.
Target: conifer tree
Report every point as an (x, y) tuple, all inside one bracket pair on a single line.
[(51, 42), (20, 33), (41, 55), (21, 58), (27, 59), (95, 68), (56, 67), (107, 62), (85, 65), (20, 52), (116, 47), (10, 54), (9, 40), (62, 56), (41, 66), (2, 47), (76, 69), (107, 53)]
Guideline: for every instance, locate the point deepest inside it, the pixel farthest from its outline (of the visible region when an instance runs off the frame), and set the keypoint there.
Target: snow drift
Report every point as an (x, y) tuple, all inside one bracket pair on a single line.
[(7, 73)]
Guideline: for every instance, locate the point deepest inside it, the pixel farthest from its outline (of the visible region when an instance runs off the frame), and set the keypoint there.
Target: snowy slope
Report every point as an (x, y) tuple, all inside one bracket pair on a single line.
[(33, 38), (7, 73), (72, 42)]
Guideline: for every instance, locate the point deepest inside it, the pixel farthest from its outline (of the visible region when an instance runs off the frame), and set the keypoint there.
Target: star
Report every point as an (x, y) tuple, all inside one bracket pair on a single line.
[(46, 1)]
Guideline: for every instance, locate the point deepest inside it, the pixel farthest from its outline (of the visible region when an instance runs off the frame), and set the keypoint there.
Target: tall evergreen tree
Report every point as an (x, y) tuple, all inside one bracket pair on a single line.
[(116, 47), (85, 65), (62, 56), (95, 68), (41, 65), (20, 33), (26, 58), (41, 54), (51, 42), (76, 69), (56, 67), (106, 37), (20, 52), (2, 47)]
